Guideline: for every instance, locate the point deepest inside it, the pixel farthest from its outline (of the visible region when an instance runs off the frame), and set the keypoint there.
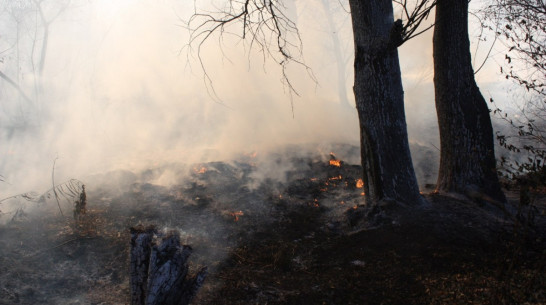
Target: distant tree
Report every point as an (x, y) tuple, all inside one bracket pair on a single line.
[(386, 159), (467, 157), (25, 31)]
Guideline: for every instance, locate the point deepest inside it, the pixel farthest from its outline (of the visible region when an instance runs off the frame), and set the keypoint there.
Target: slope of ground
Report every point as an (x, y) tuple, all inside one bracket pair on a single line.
[(302, 239)]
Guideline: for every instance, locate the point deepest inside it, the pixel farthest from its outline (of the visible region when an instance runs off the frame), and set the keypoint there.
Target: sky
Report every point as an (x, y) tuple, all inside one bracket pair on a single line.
[(121, 90)]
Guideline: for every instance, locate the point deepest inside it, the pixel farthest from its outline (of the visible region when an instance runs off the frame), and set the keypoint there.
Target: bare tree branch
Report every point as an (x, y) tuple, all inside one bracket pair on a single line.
[(263, 24)]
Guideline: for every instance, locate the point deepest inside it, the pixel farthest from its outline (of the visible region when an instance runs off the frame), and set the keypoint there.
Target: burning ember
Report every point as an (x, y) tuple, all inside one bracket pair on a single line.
[(359, 183), (334, 161), (237, 214), (198, 170)]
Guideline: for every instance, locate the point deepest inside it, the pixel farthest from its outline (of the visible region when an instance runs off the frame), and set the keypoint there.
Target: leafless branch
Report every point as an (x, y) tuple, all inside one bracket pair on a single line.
[(414, 16), (262, 23), (54, 188)]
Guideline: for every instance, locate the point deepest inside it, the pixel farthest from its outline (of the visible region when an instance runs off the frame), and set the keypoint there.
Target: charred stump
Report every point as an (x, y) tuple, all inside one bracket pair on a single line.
[(159, 270)]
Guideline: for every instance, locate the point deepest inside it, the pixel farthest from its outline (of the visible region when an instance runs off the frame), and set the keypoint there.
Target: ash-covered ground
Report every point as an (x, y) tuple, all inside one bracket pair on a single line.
[(289, 230)]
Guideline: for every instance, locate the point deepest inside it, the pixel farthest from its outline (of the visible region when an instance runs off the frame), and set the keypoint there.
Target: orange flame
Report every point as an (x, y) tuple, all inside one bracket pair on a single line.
[(335, 162), (198, 170), (237, 214), (251, 155), (359, 183)]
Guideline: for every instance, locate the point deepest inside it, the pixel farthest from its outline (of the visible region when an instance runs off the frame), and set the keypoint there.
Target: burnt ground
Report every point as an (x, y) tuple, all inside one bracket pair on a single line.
[(302, 239)]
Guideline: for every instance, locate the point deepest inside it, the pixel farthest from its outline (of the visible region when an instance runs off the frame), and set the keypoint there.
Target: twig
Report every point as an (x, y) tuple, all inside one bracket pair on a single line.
[(54, 188)]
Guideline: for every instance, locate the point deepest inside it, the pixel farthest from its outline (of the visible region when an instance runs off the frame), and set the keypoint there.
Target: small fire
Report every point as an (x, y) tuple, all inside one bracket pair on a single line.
[(334, 161), (198, 170), (251, 155), (237, 214), (335, 178), (359, 183)]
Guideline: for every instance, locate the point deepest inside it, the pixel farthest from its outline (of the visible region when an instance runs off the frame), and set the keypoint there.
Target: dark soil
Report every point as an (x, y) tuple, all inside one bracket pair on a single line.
[(304, 239)]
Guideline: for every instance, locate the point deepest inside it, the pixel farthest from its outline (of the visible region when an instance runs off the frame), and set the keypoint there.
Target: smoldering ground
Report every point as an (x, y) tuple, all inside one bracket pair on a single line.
[(122, 107)]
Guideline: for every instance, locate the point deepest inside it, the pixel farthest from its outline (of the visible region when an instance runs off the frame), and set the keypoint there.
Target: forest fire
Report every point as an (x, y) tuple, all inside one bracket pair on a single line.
[(312, 216)]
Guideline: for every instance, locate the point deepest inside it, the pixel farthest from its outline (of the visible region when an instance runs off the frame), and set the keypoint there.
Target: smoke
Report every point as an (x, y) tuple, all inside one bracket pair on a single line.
[(120, 91)]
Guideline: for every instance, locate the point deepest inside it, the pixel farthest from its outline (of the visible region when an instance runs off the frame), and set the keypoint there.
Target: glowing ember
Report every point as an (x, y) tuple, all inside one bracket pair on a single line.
[(251, 155), (359, 183), (334, 161), (237, 214), (335, 178), (198, 170)]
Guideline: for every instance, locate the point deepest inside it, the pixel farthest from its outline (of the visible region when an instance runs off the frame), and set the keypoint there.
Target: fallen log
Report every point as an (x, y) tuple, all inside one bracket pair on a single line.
[(159, 269)]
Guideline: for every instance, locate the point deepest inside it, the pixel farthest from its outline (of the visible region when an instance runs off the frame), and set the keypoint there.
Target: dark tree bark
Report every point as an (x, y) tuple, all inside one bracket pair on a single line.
[(386, 158), (467, 159)]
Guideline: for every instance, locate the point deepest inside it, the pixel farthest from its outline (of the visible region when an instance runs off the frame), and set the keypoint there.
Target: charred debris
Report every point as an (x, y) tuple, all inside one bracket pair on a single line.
[(291, 231)]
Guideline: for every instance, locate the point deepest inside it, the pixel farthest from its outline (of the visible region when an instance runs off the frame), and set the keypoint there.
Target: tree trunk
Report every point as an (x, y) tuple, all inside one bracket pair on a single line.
[(467, 159), (386, 158)]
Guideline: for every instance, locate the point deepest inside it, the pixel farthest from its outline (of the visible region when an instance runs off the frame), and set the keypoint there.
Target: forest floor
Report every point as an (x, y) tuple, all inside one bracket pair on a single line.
[(303, 239)]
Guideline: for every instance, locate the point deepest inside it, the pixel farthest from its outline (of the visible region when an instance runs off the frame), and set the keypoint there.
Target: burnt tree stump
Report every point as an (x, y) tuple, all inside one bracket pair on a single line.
[(159, 269)]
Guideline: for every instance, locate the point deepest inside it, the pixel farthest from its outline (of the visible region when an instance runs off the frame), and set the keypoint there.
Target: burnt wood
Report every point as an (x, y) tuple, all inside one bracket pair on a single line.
[(159, 269)]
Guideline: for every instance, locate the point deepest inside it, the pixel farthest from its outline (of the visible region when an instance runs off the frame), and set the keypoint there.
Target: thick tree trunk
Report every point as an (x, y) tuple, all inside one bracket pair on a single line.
[(467, 160), (386, 158)]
